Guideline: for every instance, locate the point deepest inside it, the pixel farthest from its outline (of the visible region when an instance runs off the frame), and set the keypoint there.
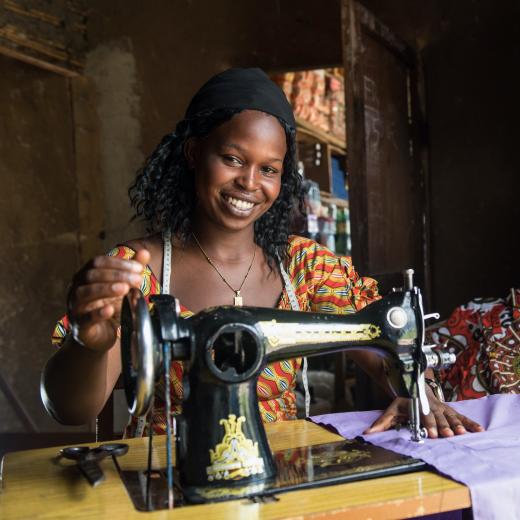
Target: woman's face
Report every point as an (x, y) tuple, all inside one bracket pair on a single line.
[(238, 169)]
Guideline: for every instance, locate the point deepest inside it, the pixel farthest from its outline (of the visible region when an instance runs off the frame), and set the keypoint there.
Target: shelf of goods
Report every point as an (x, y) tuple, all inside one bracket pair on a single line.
[(318, 101)]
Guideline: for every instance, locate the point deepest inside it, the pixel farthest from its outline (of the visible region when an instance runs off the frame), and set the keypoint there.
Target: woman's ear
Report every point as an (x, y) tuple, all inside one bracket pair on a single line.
[(190, 151)]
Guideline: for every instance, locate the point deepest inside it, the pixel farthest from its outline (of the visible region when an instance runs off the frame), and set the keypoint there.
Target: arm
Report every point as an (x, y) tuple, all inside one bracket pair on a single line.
[(78, 379)]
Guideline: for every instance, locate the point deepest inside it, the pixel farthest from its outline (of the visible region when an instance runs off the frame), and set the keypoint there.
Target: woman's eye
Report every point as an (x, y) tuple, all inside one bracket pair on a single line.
[(232, 160), (269, 170)]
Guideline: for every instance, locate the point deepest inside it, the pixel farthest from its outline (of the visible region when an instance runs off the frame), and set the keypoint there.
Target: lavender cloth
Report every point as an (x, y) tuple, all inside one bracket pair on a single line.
[(487, 462)]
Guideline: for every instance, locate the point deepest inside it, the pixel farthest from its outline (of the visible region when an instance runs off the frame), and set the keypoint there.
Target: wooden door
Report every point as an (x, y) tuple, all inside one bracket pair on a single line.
[(386, 158)]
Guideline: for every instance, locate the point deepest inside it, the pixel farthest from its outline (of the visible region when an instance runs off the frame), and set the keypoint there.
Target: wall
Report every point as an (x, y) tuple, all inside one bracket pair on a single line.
[(469, 49), (39, 227), (473, 87)]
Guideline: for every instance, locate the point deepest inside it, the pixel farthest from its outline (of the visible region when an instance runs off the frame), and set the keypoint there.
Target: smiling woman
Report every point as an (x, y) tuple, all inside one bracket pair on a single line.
[(217, 196)]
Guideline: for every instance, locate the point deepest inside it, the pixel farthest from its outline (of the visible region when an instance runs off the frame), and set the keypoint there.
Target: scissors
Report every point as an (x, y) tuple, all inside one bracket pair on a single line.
[(87, 459)]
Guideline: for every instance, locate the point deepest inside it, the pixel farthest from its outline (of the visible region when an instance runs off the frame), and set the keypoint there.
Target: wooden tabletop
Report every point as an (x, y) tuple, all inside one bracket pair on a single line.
[(35, 484)]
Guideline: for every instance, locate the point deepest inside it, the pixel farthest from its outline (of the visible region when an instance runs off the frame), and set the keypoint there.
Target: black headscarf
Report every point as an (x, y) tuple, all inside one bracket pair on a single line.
[(243, 89)]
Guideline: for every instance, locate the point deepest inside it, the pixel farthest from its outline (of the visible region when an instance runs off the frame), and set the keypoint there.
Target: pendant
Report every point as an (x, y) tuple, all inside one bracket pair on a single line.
[(237, 300)]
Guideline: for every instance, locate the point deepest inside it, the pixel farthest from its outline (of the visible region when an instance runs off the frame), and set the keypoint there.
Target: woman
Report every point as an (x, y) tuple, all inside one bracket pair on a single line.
[(217, 196)]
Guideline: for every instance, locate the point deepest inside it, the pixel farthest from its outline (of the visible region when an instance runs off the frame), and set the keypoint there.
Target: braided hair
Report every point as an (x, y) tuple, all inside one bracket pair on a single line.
[(163, 194)]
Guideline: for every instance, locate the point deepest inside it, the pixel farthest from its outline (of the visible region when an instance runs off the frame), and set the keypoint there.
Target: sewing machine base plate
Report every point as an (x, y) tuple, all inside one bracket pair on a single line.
[(297, 468)]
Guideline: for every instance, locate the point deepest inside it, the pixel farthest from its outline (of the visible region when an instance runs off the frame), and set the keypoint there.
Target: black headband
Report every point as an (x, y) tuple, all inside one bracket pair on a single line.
[(243, 89)]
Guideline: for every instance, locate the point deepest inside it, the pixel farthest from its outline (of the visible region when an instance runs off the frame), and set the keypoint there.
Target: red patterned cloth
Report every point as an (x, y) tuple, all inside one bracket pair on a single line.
[(485, 336), (323, 282)]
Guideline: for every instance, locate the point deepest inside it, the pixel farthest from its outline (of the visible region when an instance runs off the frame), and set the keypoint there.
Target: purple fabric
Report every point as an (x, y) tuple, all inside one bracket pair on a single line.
[(487, 462)]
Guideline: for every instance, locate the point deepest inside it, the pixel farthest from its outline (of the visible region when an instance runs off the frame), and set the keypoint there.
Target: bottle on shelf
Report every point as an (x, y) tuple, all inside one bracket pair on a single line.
[(347, 232), (327, 226), (343, 239), (312, 200), (341, 232)]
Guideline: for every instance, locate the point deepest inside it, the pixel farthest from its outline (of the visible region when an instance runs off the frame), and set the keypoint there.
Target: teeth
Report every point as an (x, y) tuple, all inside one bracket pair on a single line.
[(240, 204)]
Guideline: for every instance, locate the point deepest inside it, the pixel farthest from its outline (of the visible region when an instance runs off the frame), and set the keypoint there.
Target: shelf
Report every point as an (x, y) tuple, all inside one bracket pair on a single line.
[(328, 198), (309, 129)]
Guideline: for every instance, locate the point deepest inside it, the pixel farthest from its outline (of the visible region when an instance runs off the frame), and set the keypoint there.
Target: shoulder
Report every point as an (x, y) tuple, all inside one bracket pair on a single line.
[(122, 251), (152, 243), (298, 244), (316, 263), (129, 248), (309, 254), (330, 282)]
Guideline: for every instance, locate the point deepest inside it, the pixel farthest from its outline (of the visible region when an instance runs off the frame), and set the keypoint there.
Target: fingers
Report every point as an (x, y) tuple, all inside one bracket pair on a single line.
[(102, 313), (443, 421), (383, 423), (113, 275), (387, 421), (436, 424), (106, 277), (88, 294), (461, 424), (470, 425), (394, 415), (113, 262), (455, 424)]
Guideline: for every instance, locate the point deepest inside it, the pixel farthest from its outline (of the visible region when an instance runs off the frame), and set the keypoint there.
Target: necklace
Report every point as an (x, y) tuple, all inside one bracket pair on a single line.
[(237, 300)]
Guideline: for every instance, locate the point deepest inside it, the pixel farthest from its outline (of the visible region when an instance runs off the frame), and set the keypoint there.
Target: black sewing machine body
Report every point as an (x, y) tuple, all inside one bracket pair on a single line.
[(220, 437)]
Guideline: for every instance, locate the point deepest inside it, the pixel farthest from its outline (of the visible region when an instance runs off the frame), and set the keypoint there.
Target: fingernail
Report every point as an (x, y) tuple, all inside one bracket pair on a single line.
[(118, 287), (433, 433)]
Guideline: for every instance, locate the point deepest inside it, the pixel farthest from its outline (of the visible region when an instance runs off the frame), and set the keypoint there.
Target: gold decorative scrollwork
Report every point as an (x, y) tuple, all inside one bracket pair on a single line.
[(282, 334), (236, 457)]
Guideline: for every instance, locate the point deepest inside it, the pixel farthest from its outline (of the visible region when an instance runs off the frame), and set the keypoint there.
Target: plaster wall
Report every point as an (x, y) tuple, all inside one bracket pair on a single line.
[(39, 226)]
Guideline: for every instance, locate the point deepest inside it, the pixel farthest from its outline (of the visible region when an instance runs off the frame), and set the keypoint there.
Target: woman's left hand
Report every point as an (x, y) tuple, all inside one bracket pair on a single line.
[(442, 421)]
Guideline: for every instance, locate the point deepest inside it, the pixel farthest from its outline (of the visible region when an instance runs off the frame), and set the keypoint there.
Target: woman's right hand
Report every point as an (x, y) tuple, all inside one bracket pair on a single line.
[(96, 296)]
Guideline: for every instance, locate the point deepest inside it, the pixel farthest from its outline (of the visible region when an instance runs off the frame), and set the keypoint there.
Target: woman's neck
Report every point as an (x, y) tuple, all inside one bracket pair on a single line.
[(223, 245)]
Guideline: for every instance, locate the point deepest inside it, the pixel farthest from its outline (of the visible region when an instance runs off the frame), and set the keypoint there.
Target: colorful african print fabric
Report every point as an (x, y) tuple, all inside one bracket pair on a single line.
[(323, 282), (485, 336)]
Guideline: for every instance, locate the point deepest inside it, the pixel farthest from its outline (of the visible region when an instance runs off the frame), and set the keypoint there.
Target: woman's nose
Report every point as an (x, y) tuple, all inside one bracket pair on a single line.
[(248, 179)]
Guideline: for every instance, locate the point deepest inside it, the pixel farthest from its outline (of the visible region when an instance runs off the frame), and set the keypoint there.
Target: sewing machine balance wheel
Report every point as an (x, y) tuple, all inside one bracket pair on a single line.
[(140, 353)]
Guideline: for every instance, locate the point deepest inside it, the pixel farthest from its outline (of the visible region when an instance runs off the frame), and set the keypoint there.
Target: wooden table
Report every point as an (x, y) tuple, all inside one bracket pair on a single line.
[(36, 485)]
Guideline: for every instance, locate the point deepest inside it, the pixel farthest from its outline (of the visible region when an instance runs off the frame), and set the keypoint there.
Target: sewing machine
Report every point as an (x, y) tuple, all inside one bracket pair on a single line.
[(221, 446)]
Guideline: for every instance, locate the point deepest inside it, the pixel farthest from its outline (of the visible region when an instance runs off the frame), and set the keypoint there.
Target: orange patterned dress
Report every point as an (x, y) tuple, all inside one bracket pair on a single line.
[(323, 282)]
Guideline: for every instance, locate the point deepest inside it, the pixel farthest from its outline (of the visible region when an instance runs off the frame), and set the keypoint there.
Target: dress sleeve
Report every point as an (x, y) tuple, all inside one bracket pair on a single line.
[(342, 290), (62, 328), (331, 283)]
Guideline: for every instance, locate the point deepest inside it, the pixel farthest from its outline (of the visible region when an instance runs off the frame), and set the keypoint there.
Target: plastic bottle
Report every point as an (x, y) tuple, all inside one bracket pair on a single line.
[(341, 232)]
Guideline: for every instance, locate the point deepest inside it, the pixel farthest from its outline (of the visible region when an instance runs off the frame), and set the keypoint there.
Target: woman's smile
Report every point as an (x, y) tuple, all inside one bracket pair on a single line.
[(238, 206)]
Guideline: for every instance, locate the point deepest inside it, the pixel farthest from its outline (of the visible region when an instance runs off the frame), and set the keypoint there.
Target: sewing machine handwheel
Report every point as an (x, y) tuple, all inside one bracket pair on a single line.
[(138, 353)]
